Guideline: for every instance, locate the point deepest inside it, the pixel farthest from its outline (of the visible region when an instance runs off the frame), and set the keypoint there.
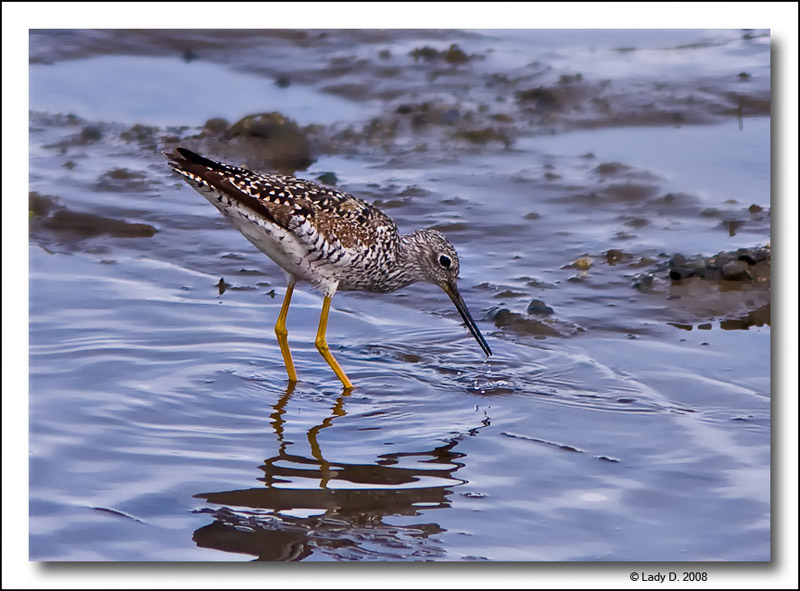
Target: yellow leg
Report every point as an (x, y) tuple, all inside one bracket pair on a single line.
[(322, 345), (281, 333)]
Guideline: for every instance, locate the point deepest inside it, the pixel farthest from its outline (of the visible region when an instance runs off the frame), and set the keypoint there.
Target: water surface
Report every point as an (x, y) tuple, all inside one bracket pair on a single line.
[(628, 424)]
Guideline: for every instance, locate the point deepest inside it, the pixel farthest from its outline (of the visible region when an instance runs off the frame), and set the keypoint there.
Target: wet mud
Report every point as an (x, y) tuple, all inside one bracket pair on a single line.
[(51, 223)]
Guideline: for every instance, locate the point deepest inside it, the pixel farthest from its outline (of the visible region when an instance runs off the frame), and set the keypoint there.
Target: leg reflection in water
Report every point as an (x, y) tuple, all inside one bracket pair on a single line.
[(315, 505)]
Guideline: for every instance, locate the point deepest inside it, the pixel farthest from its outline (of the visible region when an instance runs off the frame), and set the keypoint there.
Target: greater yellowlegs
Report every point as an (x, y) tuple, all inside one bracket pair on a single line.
[(325, 237)]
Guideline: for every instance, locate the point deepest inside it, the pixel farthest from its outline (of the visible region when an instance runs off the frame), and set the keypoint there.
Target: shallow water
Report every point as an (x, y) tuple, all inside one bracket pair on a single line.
[(629, 424), (136, 92)]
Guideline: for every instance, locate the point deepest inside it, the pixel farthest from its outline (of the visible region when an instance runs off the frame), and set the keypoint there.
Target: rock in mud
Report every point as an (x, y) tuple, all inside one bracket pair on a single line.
[(328, 178), (730, 287), (680, 273), (483, 136), (735, 271), (582, 264), (614, 256), (539, 308), (452, 55), (274, 139), (51, 222), (516, 322), (216, 125)]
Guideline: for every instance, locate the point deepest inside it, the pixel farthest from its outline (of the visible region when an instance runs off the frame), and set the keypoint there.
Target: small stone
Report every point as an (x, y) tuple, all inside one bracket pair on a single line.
[(643, 282), (280, 142), (539, 308), (427, 53), (735, 271), (680, 273), (502, 317), (91, 133), (216, 125), (614, 256), (677, 260), (582, 263), (222, 285), (328, 178), (753, 257), (455, 55)]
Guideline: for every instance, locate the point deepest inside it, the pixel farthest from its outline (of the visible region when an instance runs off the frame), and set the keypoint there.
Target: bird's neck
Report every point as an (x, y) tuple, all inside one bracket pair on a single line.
[(410, 254)]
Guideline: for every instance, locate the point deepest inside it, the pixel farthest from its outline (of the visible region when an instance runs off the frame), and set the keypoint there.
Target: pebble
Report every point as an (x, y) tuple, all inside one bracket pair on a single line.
[(539, 308), (735, 271), (680, 273), (582, 263), (677, 260)]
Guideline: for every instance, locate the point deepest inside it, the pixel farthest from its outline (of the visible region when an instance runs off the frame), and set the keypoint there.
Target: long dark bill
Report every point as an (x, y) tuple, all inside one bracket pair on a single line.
[(451, 290)]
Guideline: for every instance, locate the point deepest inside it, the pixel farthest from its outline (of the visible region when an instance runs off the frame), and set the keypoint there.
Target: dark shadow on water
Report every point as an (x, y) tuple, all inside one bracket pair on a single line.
[(339, 510)]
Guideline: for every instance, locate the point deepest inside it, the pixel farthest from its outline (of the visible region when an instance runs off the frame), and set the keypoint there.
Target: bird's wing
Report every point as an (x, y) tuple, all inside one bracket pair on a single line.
[(320, 217)]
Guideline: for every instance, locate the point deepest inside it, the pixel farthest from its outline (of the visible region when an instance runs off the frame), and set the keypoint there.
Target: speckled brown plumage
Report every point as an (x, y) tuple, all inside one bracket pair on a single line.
[(317, 234), (341, 218)]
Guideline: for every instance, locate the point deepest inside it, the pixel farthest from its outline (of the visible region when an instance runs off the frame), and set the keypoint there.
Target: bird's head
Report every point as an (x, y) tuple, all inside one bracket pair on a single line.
[(438, 264)]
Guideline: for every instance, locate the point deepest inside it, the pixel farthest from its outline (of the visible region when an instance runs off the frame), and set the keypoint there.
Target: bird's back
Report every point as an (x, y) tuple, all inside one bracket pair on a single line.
[(313, 232)]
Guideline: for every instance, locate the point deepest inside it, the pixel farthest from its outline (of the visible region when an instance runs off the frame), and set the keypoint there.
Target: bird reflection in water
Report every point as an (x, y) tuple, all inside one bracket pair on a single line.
[(337, 509)]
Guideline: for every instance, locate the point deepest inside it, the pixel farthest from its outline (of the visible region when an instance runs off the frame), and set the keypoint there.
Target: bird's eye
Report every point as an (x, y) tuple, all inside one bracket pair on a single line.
[(445, 261)]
